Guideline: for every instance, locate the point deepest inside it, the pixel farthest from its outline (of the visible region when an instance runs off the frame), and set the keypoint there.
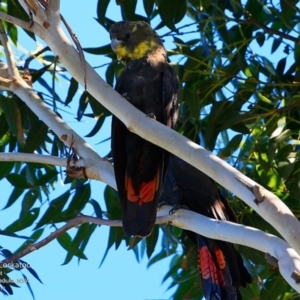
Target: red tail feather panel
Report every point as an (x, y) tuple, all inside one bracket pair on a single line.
[(147, 190), (208, 268)]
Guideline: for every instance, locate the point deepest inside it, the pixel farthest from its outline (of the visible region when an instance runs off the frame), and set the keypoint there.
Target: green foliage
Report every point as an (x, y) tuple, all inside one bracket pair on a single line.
[(238, 63)]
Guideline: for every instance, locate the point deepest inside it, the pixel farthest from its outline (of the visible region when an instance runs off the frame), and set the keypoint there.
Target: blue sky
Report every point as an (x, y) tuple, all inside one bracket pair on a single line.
[(120, 276)]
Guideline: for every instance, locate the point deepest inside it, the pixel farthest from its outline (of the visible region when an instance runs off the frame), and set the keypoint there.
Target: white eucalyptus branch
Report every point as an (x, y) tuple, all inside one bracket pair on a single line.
[(288, 258), (95, 167), (12, 69), (270, 207), (18, 22), (92, 160), (92, 172), (34, 158)]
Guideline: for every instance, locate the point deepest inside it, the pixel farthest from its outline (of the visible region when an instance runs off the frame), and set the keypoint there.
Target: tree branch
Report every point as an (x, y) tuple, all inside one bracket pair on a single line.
[(96, 171), (12, 69), (23, 24), (288, 259), (35, 158), (96, 168), (70, 224), (266, 29), (81, 219), (272, 209), (53, 6)]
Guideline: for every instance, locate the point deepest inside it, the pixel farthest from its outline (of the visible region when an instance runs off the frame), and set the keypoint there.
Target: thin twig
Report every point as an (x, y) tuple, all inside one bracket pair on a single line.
[(12, 69), (78, 46), (13, 20), (272, 31), (81, 219), (53, 6), (35, 55)]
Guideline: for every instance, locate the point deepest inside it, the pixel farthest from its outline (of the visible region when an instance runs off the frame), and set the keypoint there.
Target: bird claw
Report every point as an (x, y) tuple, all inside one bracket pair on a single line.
[(161, 204), (151, 116), (125, 95), (176, 207)]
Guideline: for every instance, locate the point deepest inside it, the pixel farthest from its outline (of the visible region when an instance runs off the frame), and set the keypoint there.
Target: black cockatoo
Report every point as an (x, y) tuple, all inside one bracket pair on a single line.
[(221, 267), (150, 84)]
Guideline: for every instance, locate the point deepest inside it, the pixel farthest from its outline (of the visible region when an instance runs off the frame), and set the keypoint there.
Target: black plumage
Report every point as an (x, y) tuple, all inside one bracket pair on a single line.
[(221, 267), (150, 84)]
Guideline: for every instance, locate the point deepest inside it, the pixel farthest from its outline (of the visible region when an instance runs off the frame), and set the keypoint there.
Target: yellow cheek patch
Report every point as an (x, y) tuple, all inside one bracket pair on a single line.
[(121, 51), (142, 49), (139, 51)]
